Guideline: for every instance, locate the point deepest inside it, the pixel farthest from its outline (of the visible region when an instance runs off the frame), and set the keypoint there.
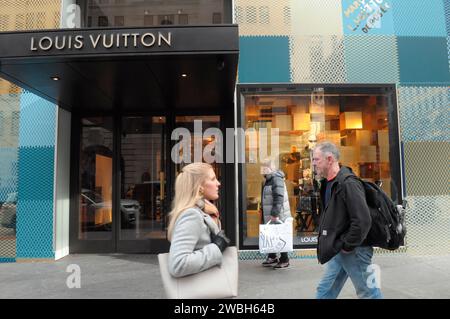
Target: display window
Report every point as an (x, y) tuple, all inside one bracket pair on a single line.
[(362, 122)]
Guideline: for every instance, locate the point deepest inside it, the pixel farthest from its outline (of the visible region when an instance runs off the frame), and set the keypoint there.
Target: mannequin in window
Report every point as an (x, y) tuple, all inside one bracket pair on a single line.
[(294, 156), (309, 199), (305, 157), (306, 183), (292, 166)]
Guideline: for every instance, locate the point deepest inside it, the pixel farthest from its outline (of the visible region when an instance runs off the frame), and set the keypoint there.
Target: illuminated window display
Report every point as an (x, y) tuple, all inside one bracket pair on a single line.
[(362, 122)]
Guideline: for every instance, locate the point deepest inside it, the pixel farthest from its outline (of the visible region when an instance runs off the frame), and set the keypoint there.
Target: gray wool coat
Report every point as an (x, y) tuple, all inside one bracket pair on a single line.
[(191, 250)]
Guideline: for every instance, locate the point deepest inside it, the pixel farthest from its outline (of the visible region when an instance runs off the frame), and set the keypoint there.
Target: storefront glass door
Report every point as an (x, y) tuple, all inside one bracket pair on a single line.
[(143, 189), (95, 211), (125, 179), (200, 143), (121, 185)]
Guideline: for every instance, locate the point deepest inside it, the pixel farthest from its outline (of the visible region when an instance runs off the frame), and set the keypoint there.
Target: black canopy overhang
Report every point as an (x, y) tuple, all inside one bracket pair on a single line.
[(130, 78)]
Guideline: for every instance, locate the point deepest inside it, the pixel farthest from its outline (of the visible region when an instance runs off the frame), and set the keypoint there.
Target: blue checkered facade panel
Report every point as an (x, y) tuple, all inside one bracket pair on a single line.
[(371, 59), (36, 178), (447, 15), (9, 157), (418, 18), (424, 113)]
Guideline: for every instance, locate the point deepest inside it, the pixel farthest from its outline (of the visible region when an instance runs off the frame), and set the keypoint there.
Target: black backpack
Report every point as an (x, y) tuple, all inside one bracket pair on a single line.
[(388, 229)]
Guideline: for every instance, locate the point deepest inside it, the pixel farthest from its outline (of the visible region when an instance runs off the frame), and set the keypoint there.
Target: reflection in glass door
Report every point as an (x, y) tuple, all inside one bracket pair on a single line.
[(96, 167), (206, 142), (123, 191), (142, 178)]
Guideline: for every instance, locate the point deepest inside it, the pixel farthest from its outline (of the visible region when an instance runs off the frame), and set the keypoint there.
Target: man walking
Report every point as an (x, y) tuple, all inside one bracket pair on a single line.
[(344, 224)]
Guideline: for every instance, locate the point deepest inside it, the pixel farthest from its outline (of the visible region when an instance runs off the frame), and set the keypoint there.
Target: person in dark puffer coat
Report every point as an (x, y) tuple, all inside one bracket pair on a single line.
[(275, 207)]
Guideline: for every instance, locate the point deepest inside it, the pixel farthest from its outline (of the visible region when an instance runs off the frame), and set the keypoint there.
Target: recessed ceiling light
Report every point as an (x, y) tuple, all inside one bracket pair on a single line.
[(184, 75), (55, 78)]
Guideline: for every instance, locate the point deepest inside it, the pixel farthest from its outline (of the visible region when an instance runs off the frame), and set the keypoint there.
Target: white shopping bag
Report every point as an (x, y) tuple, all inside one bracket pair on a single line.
[(276, 238)]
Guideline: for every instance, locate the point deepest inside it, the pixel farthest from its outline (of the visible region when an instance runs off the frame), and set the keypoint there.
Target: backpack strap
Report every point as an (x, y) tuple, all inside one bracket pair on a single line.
[(342, 178)]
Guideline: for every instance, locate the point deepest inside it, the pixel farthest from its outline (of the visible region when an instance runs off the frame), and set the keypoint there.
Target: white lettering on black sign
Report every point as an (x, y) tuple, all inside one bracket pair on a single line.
[(105, 41)]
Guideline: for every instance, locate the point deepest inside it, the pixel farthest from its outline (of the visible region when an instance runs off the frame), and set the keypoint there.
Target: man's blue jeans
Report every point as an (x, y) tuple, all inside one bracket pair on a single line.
[(353, 265)]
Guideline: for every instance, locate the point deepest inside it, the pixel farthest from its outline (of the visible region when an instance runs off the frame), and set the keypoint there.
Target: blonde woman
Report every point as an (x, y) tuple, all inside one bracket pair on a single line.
[(197, 241)]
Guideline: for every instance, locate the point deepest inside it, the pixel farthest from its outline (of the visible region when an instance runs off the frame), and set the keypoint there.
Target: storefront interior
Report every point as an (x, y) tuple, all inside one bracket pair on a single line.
[(361, 120)]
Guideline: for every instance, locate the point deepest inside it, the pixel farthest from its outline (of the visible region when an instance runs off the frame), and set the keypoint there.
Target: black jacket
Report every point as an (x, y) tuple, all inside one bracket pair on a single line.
[(345, 221)]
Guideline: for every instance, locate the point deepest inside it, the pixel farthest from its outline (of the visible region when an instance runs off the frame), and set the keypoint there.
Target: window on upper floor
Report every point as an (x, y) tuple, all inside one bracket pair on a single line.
[(154, 13)]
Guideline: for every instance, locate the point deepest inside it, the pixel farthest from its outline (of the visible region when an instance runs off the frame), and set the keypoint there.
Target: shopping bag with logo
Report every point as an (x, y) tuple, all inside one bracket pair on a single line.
[(276, 238)]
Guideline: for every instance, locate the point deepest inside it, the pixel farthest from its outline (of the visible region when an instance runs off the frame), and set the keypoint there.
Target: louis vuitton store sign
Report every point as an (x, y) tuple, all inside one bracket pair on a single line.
[(123, 41), (104, 41)]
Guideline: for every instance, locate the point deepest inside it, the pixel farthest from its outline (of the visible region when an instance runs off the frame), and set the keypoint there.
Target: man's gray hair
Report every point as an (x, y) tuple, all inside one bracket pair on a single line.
[(330, 148)]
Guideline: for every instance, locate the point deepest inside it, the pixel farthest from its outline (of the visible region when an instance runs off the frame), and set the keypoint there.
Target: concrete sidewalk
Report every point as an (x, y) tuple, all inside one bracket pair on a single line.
[(137, 276)]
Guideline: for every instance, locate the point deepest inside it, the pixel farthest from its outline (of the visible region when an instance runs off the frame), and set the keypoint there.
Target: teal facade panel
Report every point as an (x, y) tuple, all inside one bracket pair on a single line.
[(419, 18), (37, 121), (423, 60), (35, 177), (448, 51), (264, 60), (35, 204), (447, 15), (371, 59), (424, 113)]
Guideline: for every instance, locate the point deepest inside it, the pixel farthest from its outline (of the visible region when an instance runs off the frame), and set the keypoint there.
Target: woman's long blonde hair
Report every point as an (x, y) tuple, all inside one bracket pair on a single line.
[(187, 190)]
